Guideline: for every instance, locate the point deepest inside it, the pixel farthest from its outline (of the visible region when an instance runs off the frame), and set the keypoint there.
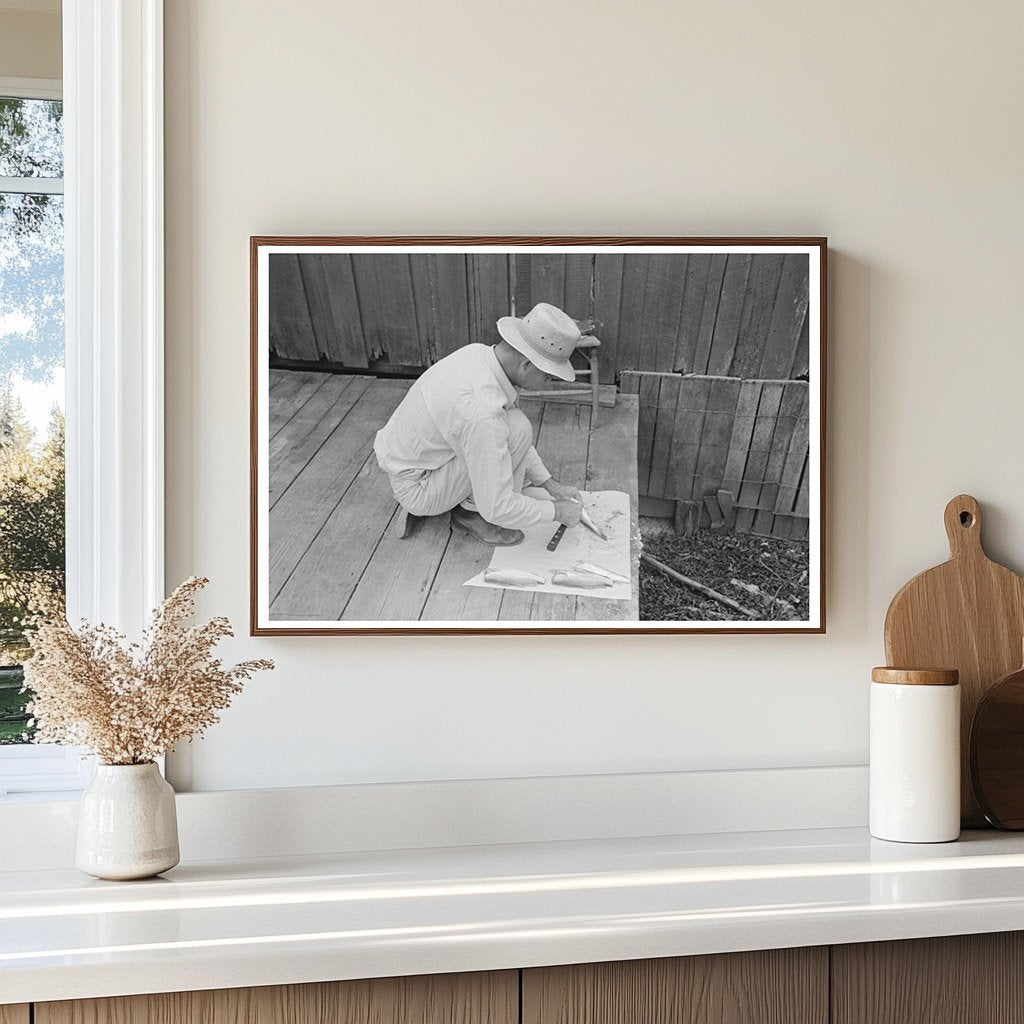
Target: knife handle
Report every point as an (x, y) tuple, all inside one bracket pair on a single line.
[(553, 543)]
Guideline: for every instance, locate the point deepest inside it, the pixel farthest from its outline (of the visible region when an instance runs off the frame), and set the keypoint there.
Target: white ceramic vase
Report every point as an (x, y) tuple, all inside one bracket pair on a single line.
[(127, 825)]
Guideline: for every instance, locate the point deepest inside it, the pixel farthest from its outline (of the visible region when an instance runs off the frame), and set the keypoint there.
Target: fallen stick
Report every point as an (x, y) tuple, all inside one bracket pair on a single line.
[(699, 587)]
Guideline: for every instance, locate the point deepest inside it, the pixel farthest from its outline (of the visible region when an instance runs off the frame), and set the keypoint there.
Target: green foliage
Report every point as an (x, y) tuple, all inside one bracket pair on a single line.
[(32, 545)]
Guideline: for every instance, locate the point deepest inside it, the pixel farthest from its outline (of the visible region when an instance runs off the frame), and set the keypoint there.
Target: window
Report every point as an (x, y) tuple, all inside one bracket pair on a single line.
[(32, 534), (113, 330)]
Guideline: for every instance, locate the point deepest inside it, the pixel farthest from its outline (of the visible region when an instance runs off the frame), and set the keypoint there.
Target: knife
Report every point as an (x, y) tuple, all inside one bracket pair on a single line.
[(553, 543)]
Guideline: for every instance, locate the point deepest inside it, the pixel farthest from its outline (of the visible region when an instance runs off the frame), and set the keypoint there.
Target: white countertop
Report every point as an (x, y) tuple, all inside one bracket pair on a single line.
[(353, 915)]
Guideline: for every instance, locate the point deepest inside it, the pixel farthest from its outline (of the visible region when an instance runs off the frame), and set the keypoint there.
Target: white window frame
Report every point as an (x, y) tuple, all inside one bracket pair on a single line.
[(114, 323)]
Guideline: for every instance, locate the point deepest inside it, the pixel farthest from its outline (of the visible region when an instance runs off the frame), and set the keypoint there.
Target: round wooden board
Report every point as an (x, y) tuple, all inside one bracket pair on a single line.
[(997, 752)]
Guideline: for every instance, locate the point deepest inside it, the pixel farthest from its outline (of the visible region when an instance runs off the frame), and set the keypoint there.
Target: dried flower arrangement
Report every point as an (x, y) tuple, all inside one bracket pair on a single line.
[(130, 703)]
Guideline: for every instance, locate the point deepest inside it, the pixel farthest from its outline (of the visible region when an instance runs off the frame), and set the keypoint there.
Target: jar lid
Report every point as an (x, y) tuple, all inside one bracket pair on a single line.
[(916, 676)]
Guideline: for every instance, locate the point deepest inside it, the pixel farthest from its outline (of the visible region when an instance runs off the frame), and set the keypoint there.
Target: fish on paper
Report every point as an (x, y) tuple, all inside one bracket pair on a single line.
[(588, 565)]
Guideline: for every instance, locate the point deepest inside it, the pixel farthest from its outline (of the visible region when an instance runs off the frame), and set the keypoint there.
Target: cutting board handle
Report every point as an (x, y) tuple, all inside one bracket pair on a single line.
[(963, 526)]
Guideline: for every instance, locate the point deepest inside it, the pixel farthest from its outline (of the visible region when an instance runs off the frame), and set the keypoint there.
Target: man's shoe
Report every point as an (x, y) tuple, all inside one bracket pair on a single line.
[(476, 526), (410, 526)]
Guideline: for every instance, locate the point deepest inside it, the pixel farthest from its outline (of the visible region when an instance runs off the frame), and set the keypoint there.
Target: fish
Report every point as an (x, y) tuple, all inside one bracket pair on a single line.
[(589, 523), (512, 577), (599, 570), (575, 578)]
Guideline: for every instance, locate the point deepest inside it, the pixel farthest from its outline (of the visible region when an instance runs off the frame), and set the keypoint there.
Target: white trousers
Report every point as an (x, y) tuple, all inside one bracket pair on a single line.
[(429, 492)]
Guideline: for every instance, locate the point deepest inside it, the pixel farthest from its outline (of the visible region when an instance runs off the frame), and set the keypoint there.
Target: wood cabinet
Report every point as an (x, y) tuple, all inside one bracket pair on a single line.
[(481, 998), (775, 986), (967, 979), (961, 979)]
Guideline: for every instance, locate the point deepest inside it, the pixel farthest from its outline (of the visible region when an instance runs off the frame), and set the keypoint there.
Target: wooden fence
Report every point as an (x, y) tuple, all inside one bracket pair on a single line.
[(738, 315), (700, 434)]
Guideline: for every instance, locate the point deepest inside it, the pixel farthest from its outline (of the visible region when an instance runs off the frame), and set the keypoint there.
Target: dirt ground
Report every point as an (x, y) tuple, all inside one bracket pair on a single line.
[(768, 577)]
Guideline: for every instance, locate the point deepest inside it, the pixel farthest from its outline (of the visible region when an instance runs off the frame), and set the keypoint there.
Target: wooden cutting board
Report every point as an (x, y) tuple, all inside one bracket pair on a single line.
[(967, 614)]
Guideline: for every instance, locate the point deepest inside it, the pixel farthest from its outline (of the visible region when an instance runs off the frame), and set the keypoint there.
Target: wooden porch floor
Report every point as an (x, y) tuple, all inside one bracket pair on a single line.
[(334, 549)]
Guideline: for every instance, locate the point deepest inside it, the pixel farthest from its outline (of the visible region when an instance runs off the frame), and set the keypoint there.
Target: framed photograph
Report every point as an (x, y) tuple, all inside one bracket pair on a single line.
[(537, 435)]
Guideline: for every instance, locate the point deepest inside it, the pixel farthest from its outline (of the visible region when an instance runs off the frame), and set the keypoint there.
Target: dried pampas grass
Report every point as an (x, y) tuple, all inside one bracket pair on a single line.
[(130, 703)]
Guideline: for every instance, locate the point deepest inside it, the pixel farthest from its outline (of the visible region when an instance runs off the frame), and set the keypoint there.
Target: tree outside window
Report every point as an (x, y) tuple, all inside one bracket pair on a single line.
[(32, 544)]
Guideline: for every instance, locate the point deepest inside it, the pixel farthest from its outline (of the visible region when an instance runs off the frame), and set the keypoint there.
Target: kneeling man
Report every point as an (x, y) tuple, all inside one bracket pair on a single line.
[(458, 443)]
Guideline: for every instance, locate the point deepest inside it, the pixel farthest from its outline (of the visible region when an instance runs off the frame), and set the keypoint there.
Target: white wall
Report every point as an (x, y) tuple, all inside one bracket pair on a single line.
[(895, 129)]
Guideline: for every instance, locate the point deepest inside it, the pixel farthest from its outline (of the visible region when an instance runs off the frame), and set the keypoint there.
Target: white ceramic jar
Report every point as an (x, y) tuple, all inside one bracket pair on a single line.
[(915, 755), (127, 823)]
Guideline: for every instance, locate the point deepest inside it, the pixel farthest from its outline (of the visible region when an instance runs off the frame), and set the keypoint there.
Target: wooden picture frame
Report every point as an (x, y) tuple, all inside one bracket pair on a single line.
[(710, 368)]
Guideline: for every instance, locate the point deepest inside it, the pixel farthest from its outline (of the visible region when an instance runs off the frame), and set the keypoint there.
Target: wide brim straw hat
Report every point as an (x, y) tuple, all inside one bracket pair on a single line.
[(546, 336)]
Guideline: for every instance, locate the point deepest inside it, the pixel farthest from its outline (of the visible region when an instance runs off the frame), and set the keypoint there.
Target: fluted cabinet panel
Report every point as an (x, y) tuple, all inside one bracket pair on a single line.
[(778, 986), (479, 998)]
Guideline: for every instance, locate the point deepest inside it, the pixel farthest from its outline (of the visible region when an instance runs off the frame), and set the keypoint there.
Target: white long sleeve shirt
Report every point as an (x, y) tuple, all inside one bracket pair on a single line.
[(458, 409)]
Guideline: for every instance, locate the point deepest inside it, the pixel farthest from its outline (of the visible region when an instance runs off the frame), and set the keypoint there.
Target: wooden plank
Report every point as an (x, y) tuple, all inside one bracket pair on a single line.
[(324, 390), (756, 318), (449, 600), (290, 328), (663, 309), (796, 455), (959, 979), (282, 407), (388, 309), (714, 438), (301, 511), (578, 287), (691, 411), (787, 318), (322, 582), (607, 297), (547, 278), (800, 360), (523, 291), (657, 508), (744, 520), (742, 432), (491, 996), (448, 301), (776, 986), (730, 312), (631, 311), (14, 1014), (488, 283), (664, 434), (698, 266), (650, 386), (611, 466), (709, 313), (802, 506), (764, 520), (579, 393), (762, 439), (291, 384), (334, 307), (279, 377), (294, 446), (340, 285), (397, 579), (788, 413), (419, 274)]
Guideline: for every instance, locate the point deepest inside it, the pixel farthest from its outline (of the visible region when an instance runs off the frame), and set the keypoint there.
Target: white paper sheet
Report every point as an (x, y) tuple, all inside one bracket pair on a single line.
[(610, 512)]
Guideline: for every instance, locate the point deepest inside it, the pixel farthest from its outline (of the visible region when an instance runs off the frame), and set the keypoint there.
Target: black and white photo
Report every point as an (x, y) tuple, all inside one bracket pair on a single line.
[(542, 435)]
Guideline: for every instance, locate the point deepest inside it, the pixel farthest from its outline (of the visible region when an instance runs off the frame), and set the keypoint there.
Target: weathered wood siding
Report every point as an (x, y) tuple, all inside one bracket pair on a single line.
[(702, 433), (738, 315)]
